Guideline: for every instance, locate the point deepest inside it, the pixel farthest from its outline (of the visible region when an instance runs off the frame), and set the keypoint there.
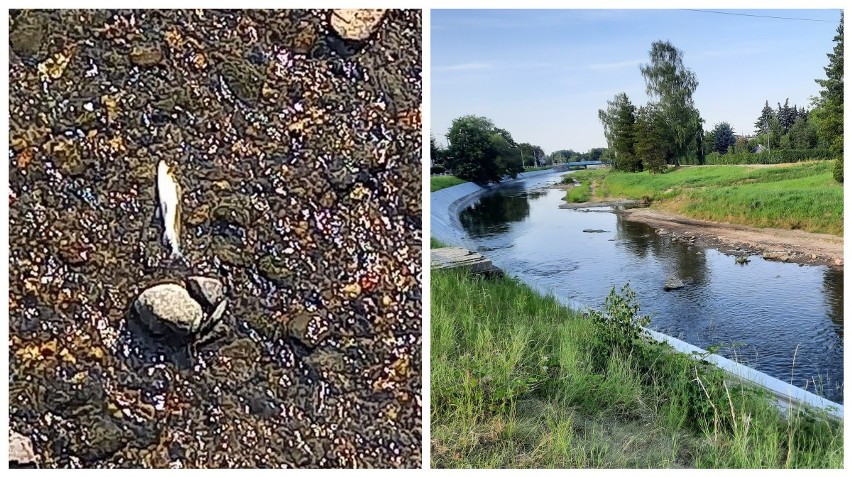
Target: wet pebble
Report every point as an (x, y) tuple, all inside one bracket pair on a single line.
[(21, 451), (168, 310)]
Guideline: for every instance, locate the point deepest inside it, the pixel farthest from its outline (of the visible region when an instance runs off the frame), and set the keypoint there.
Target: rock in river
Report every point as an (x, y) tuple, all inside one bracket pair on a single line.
[(673, 283), (169, 310)]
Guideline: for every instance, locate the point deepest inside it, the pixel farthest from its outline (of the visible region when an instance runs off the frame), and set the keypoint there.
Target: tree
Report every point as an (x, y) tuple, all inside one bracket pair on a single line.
[(481, 152), (723, 137), (829, 110), (531, 154), (596, 153), (618, 120), (669, 82), (470, 155), (803, 134), (506, 154), (786, 115), (761, 126), (436, 151), (650, 145)]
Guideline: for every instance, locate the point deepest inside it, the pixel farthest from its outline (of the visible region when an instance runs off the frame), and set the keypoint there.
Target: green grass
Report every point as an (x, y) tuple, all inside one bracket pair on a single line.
[(797, 196), (442, 182), (435, 243), (520, 381), (582, 192)]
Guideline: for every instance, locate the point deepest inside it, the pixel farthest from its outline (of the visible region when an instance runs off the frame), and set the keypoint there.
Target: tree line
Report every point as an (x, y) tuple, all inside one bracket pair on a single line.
[(668, 129), (481, 152)]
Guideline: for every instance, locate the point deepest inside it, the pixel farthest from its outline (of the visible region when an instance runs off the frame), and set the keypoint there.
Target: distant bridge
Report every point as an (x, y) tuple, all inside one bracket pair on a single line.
[(578, 165)]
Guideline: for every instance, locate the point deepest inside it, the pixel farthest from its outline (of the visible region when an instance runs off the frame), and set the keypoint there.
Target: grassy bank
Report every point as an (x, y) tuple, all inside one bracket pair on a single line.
[(442, 182), (435, 243), (796, 196), (520, 381)]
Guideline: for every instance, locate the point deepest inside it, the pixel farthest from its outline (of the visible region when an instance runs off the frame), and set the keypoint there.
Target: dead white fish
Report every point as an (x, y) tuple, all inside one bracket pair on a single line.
[(169, 194)]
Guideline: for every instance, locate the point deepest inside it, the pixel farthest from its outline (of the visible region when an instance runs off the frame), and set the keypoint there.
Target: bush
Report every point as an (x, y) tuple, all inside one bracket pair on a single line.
[(438, 169), (838, 169), (774, 157), (619, 326)]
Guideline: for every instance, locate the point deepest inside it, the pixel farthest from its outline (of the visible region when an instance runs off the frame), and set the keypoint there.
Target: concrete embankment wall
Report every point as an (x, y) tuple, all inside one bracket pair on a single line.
[(445, 226), (447, 203)]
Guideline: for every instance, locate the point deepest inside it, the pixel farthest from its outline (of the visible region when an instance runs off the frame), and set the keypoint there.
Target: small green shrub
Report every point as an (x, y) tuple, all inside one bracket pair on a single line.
[(619, 326), (838, 169)]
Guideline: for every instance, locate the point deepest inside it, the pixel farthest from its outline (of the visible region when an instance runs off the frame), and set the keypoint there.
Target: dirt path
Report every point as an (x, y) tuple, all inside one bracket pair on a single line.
[(775, 244)]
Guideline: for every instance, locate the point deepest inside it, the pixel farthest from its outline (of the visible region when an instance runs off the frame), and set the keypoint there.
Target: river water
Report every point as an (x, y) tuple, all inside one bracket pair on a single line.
[(780, 318)]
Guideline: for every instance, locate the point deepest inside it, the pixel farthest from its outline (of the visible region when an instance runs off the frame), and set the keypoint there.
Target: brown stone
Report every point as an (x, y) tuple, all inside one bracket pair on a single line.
[(145, 56)]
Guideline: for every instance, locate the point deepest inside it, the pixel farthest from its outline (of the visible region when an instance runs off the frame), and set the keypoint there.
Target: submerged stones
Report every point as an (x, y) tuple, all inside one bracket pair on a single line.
[(171, 311), (146, 56), (29, 33)]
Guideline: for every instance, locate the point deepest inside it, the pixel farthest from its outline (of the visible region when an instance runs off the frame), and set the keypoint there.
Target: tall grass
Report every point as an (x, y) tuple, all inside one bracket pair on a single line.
[(799, 196), (778, 156), (520, 381), (435, 243)]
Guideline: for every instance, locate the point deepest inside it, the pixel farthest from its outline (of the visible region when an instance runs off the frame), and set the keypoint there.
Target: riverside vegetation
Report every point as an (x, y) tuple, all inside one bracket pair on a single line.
[(560, 388), (796, 196)]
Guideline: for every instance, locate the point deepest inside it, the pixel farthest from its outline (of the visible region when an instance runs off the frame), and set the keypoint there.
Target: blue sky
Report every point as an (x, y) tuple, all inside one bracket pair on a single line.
[(543, 74)]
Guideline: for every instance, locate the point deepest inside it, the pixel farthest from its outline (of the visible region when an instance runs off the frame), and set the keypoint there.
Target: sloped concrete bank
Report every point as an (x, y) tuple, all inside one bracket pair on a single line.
[(446, 204)]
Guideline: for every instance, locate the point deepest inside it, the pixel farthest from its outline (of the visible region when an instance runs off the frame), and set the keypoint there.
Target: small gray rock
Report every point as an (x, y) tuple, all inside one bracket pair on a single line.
[(208, 291), (673, 283), (20, 450), (168, 310), (594, 231)]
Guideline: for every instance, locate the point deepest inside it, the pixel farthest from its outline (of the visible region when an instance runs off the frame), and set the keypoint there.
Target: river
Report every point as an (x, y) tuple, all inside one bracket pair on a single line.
[(783, 319)]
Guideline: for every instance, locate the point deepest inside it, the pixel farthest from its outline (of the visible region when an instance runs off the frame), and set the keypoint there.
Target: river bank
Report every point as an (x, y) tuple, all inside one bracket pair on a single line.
[(787, 212), (794, 246), (519, 380)]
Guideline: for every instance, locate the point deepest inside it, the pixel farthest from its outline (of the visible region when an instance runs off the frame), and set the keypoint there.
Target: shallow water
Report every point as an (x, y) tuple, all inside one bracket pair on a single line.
[(299, 158), (780, 318)]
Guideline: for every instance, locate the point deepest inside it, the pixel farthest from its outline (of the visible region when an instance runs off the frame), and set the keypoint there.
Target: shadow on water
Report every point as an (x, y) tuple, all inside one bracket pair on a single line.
[(494, 213)]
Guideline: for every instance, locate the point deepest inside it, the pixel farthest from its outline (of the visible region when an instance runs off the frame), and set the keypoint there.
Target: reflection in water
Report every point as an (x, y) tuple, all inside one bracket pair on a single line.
[(494, 212), (779, 318), (833, 292), (684, 261)]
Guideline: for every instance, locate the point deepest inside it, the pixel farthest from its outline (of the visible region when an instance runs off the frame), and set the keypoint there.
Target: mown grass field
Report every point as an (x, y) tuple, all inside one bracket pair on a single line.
[(519, 381), (442, 182), (789, 196)]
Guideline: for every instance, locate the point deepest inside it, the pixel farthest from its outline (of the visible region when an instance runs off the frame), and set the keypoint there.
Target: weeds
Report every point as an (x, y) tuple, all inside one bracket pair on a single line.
[(520, 381)]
